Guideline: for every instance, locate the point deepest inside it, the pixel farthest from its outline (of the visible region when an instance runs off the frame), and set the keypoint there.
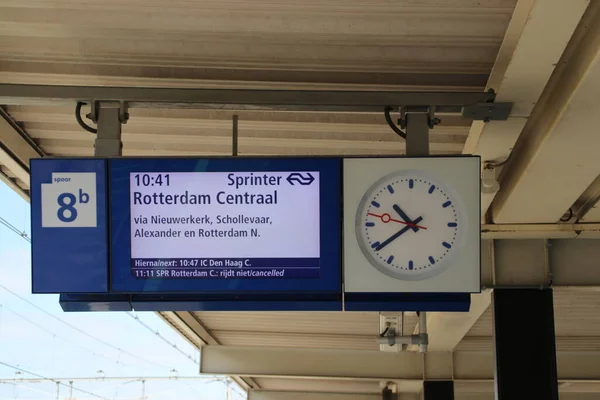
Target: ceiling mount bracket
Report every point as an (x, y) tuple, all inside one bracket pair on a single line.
[(487, 112)]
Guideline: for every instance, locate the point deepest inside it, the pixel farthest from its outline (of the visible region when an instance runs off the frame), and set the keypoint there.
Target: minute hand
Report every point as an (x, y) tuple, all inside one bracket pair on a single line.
[(398, 234)]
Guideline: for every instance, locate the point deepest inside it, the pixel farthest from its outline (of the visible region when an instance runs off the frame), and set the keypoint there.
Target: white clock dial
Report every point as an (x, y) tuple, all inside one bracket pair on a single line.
[(409, 225)]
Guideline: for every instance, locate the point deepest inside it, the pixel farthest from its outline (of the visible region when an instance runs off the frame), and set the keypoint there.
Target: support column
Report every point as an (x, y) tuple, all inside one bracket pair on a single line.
[(438, 390), (525, 348), (417, 133), (109, 117)]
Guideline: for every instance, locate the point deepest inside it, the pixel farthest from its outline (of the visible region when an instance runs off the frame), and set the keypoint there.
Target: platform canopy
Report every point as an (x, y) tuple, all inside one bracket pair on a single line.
[(540, 228)]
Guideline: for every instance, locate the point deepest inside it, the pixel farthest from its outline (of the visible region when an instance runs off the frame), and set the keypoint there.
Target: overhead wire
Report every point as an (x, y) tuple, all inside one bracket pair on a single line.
[(104, 342), (23, 385), (4, 307), (26, 237), (14, 229), (53, 380), (157, 333)]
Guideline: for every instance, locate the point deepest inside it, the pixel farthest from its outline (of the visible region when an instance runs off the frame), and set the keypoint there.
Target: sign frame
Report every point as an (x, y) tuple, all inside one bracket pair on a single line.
[(76, 269), (121, 280)]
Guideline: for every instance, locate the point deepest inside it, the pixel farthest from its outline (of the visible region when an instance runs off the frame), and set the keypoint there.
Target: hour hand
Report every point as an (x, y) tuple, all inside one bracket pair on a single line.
[(405, 217), (397, 234)]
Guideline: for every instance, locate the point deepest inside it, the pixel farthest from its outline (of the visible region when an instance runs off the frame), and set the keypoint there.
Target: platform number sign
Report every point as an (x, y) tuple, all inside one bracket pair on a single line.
[(69, 201)]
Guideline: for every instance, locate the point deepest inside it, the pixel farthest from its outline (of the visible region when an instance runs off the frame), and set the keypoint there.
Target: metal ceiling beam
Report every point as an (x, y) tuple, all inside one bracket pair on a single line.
[(540, 262), (541, 231), (16, 148), (299, 363), (555, 159), (16, 141), (521, 72), (280, 100)]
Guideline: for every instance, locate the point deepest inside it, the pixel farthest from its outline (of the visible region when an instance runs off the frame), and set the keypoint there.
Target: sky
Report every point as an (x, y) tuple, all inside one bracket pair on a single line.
[(38, 340)]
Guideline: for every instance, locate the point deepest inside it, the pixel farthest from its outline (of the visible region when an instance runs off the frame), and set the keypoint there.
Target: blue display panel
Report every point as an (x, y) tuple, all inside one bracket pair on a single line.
[(69, 226), (227, 226)]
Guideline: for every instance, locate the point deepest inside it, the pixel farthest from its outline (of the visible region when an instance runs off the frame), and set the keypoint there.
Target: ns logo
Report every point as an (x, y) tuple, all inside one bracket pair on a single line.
[(69, 201)]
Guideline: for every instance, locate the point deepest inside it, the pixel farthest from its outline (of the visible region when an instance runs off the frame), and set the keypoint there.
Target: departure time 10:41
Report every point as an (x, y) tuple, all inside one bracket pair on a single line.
[(152, 180)]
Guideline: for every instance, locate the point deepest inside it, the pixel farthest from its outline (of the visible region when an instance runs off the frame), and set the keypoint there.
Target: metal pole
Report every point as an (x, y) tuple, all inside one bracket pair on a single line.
[(423, 332), (417, 133), (234, 138), (108, 139)]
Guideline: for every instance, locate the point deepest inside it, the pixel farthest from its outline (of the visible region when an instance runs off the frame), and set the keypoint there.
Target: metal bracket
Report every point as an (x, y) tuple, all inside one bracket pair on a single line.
[(432, 121), (390, 337), (388, 394), (95, 110), (487, 112), (489, 182)]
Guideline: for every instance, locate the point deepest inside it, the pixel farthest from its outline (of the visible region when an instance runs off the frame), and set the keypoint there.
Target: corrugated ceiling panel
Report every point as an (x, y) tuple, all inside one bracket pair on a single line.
[(303, 329), (279, 339), (483, 326), (293, 322), (575, 314), (252, 43), (563, 343)]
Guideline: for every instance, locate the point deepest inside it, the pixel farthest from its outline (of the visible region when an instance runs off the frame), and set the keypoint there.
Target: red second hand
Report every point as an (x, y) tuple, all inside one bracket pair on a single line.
[(385, 218)]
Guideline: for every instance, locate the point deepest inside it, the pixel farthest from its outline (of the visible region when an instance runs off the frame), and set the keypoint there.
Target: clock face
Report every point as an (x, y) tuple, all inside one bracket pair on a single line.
[(410, 225)]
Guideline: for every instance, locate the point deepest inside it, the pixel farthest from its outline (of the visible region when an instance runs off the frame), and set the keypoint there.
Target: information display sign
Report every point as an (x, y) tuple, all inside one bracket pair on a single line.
[(225, 225), (263, 234)]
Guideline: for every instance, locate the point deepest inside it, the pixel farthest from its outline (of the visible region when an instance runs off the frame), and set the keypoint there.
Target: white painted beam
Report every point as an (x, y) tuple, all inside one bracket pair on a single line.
[(315, 363), (475, 389), (194, 331), (335, 385), (556, 158), (534, 42), (300, 363), (284, 395)]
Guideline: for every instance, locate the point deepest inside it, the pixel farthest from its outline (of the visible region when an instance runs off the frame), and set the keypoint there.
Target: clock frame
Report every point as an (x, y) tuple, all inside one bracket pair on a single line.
[(390, 239)]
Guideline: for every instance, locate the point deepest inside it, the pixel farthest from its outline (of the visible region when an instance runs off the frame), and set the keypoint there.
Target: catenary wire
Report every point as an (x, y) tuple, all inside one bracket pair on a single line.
[(55, 381), (84, 332), (173, 345), (3, 307)]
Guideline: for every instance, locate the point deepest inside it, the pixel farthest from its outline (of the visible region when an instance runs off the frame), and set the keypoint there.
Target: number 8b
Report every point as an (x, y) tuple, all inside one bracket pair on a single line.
[(67, 206)]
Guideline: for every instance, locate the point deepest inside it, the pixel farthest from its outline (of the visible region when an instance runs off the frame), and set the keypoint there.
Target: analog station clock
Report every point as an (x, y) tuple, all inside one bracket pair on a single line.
[(410, 225)]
